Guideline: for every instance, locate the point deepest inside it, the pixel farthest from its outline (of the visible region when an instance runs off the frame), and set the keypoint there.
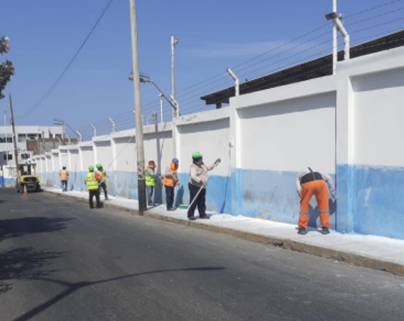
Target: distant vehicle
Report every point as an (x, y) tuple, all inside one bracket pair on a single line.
[(27, 176)]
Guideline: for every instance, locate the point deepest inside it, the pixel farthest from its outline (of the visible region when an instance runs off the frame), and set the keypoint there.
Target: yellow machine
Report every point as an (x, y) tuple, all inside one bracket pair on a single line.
[(28, 176)]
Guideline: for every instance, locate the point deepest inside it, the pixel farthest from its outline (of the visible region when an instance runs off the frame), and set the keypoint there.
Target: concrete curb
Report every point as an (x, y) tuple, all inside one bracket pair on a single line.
[(356, 259)]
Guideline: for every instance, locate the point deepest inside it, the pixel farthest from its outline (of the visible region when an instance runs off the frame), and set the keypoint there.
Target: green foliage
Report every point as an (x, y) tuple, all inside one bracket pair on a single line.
[(6, 68)]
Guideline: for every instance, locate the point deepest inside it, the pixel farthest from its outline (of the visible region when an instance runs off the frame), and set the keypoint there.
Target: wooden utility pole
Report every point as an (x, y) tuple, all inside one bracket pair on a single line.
[(14, 139)]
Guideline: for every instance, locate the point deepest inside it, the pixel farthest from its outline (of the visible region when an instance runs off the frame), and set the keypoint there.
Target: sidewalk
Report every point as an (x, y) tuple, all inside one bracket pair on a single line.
[(374, 252)]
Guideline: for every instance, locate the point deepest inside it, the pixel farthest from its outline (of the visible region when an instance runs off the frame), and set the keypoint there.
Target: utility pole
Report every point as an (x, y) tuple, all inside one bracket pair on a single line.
[(138, 111), (334, 42), (14, 139), (5, 135), (174, 42)]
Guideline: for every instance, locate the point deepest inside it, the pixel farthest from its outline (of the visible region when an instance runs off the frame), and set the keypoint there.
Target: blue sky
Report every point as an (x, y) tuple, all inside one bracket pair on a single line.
[(214, 35)]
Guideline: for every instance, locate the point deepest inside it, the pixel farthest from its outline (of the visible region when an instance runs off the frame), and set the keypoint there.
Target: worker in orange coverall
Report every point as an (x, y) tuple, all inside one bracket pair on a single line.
[(309, 183)]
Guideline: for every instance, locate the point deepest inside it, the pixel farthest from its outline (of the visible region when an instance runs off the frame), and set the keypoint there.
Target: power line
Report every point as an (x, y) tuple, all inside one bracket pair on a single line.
[(372, 9), (55, 84)]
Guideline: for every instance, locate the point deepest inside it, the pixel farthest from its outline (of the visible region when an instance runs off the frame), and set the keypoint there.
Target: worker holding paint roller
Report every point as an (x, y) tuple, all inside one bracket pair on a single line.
[(197, 185)]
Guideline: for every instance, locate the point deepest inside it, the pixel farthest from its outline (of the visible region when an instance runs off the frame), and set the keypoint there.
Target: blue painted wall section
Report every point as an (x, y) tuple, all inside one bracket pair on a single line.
[(370, 199), (218, 194), (272, 195), (378, 201)]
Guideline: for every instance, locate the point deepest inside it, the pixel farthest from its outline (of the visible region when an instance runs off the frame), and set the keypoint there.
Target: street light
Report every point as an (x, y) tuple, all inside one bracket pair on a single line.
[(146, 80), (174, 104)]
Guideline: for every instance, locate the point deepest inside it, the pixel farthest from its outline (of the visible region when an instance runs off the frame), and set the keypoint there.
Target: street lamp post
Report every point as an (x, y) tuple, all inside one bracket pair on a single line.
[(138, 111)]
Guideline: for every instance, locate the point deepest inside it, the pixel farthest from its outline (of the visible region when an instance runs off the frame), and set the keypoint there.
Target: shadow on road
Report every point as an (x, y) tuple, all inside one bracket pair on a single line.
[(24, 263), (17, 227), (73, 287)]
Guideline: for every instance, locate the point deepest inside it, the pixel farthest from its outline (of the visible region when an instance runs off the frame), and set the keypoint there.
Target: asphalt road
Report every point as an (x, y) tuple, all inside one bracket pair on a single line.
[(60, 260)]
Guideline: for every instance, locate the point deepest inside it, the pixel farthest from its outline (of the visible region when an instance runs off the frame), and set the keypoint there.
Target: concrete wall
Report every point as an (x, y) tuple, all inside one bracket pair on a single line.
[(277, 141), (348, 125)]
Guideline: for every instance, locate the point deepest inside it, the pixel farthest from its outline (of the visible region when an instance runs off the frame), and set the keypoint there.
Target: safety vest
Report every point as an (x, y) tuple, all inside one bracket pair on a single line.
[(63, 175), (171, 178), (92, 183), (103, 176), (150, 180)]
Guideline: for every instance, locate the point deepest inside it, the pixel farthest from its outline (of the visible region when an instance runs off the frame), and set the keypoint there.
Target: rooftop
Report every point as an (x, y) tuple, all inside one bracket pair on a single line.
[(316, 68)]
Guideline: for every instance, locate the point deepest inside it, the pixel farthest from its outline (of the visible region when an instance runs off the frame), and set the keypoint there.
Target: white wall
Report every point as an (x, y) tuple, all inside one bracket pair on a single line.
[(126, 153), (379, 118), (159, 148), (289, 135), (208, 133), (48, 161), (64, 158), (55, 162), (104, 153), (74, 160), (88, 156)]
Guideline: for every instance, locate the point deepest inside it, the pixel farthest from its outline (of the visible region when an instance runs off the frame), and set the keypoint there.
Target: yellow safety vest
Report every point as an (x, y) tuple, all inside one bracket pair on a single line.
[(150, 180), (92, 183), (103, 176)]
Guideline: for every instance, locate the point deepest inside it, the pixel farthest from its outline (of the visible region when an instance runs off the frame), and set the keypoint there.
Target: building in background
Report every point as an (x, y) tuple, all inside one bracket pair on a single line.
[(31, 140)]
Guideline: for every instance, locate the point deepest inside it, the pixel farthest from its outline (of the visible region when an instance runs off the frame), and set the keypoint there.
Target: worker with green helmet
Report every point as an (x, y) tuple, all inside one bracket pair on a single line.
[(92, 181), (197, 185), (103, 182)]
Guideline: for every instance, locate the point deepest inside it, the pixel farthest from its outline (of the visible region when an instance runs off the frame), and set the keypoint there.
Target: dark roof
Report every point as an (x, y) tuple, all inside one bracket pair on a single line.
[(319, 67)]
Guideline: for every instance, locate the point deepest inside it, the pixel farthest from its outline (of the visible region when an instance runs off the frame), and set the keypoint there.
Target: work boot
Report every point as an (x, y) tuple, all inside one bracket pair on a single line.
[(302, 231), (325, 230), (150, 203), (171, 209), (192, 218), (204, 216)]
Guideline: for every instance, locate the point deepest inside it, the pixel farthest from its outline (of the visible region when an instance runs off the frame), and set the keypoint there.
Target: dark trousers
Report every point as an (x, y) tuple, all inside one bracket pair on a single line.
[(64, 186), (150, 190), (200, 200), (104, 187), (170, 196), (92, 193)]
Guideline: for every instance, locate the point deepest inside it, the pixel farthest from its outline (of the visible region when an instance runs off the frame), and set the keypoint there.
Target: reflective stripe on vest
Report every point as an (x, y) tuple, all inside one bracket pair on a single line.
[(92, 183), (150, 180)]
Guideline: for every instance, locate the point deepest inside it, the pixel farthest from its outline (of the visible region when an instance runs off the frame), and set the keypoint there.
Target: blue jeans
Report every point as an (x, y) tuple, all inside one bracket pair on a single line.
[(150, 190), (64, 186), (170, 196)]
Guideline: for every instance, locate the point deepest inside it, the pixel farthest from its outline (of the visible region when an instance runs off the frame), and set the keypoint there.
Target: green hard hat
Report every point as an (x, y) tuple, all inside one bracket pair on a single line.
[(91, 168), (98, 165), (196, 155)]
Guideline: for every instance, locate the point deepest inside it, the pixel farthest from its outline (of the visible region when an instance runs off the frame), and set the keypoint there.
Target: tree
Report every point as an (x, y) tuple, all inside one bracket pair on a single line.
[(6, 68)]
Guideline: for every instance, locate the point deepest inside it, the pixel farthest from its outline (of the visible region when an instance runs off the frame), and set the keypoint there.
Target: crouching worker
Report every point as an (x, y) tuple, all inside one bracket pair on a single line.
[(92, 181), (197, 185), (311, 183)]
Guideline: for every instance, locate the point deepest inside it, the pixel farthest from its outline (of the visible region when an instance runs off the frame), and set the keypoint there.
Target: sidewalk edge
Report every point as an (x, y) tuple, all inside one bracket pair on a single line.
[(352, 258)]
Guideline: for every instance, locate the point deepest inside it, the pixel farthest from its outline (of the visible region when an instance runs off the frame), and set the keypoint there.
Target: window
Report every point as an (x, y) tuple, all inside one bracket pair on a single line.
[(31, 136), (6, 138), (25, 156), (10, 157), (22, 138)]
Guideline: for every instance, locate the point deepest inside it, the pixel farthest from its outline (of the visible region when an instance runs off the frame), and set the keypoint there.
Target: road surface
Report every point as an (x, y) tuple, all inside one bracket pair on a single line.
[(59, 260)]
